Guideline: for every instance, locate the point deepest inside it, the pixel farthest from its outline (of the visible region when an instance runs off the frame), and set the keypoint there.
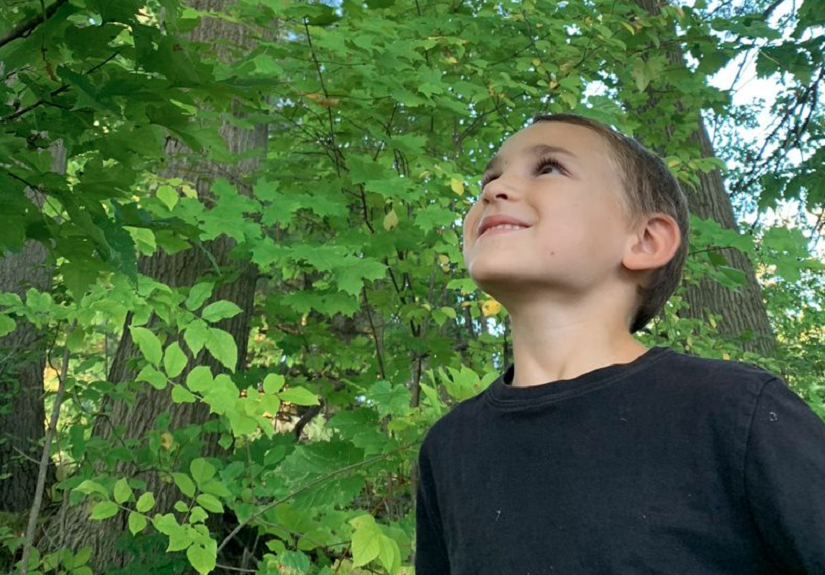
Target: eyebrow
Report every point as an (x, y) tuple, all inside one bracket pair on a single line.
[(537, 150)]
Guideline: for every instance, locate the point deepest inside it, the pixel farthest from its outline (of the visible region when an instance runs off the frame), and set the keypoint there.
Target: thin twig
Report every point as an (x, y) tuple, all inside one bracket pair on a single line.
[(44, 459)]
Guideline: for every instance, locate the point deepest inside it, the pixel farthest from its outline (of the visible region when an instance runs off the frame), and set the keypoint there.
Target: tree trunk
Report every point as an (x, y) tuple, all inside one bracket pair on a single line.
[(741, 310), (72, 527), (22, 361)]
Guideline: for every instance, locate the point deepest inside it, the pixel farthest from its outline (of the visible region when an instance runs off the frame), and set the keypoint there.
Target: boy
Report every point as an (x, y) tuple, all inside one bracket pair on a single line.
[(592, 454)]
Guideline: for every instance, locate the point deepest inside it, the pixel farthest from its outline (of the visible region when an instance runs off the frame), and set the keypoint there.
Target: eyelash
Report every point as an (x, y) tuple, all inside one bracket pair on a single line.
[(540, 165)]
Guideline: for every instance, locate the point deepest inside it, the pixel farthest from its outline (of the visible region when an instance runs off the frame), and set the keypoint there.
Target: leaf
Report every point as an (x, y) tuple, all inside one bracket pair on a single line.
[(457, 186), (366, 543), (222, 347), (210, 503), (122, 492), (220, 310), (155, 378), (168, 195), (148, 343), (182, 395), (174, 360), (199, 379), (137, 523), (145, 502), (88, 487), (104, 510), (7, 325), (203, 557), (490, 307), (299, 396), (390, 220), (201, 470), (196, 335), (199, 293), (273, 383), (184, 483)]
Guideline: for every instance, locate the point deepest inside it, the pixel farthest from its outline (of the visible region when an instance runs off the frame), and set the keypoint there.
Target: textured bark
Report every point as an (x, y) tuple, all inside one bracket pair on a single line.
[(22, 361), (743, 309), (235, 282)]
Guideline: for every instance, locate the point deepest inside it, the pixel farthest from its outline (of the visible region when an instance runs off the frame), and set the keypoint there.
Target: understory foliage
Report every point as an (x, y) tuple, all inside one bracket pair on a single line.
[(366, 328)]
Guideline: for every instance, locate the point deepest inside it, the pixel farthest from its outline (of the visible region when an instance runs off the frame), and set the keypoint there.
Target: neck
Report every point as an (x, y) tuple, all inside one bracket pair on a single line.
[(549, 345)]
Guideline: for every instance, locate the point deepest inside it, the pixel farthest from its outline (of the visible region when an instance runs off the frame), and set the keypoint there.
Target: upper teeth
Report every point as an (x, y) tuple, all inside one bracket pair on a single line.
[(505, 227)]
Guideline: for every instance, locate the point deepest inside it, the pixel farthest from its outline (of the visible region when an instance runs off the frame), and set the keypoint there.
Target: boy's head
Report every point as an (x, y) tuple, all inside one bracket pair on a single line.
[(597, 214)]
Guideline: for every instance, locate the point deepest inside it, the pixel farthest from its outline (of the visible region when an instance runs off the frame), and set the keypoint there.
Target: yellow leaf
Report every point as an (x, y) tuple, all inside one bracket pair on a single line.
[(166, 440), (457, 186), (725, 356), (536, 62), (452, 60), (490, 307), (390, 220), (629, 28)]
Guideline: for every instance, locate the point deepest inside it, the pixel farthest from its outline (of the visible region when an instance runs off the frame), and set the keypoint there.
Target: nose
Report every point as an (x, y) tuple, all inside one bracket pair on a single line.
[(500, 188)]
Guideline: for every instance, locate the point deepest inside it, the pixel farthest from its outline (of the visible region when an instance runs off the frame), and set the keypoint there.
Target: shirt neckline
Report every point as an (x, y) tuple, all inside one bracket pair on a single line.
[(501, 393)]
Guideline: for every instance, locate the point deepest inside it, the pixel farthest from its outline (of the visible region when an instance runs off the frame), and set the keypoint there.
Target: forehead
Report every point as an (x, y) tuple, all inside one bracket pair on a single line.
[(579, 142)]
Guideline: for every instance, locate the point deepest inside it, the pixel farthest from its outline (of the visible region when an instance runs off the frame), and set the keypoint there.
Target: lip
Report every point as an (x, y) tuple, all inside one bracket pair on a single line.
[(492, 221)]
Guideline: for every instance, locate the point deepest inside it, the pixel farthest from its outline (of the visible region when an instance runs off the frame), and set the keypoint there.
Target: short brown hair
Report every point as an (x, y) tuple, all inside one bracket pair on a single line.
[(649, 188)]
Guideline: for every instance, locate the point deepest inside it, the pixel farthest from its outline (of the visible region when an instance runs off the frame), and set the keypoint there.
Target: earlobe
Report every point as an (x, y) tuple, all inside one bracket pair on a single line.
[(653, 245)]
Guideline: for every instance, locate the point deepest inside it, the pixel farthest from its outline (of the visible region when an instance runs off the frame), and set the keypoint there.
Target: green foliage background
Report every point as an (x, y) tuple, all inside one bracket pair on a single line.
[(381, 116)]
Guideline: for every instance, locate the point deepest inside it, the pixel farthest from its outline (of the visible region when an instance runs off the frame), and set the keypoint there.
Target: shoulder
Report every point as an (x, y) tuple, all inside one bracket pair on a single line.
[(718, 376), (448, 425)]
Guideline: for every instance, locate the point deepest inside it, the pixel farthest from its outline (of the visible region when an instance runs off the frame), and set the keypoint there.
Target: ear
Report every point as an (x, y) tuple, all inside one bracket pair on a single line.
[(653, 243)]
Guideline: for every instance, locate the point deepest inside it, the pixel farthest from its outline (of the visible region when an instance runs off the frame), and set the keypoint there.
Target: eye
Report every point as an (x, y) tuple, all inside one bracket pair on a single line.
[(546, 163), (487, 179)]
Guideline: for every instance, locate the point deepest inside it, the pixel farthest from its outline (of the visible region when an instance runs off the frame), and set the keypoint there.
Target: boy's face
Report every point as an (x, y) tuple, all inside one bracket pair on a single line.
[(577, 232)]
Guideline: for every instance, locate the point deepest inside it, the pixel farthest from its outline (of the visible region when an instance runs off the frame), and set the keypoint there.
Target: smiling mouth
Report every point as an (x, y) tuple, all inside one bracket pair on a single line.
[(503, 229)]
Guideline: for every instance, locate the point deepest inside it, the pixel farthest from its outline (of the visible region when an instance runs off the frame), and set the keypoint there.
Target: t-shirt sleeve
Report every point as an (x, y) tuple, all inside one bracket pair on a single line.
[(785, 479), (430, 547)]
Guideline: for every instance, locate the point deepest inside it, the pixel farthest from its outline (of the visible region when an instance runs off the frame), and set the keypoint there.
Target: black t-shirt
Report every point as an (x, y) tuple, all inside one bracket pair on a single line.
[(670, 464)]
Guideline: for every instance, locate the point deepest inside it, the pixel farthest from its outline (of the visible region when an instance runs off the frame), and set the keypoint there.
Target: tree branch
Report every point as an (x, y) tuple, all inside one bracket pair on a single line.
[(26, 28)]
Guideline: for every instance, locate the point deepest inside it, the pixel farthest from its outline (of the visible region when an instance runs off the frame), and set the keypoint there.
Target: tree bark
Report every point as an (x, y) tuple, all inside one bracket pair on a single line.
[(235, 282), (22, 362), (741, 310)]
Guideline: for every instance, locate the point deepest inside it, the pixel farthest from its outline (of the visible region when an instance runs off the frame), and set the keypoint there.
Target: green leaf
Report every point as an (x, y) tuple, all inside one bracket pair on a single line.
[(203, 557), (88, 487), (155, 378), (145, 502), (104, 510), (202, 471), (210, 503), (366, 544), (174, 360), (185, 484), (199, 379), (182, 395), (299, 396), (199, 293), (122, 492), (220, 310), (196, 335), (137, 523), (222, 347), (273, 383), (197, 515), (148, 343)]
